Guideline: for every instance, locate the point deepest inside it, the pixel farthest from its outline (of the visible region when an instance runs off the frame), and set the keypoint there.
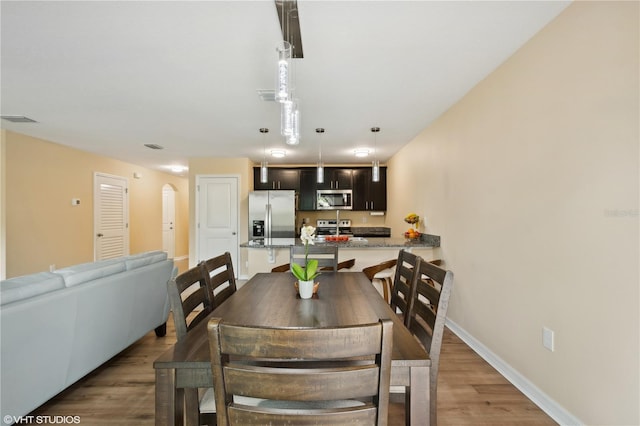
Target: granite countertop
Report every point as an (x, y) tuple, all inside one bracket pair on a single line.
[(426, 240)]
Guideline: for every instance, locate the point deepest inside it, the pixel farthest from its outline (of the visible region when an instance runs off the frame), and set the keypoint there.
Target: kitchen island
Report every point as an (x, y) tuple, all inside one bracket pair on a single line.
[(366, 251)]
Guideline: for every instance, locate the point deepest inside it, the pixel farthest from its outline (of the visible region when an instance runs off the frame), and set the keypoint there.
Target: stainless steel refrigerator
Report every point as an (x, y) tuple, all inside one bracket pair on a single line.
[(272, 215)]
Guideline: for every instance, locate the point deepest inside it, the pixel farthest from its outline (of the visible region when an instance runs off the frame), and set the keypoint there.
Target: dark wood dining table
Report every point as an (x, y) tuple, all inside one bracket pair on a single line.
[(270, 299)]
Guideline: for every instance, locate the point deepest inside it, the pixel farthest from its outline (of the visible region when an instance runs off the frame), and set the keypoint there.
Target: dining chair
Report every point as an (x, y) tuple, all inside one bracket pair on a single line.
[(382, 272), (281, 268), (220, 278), (301, 376), (426, 317), (345, 264), (403, 282), (191, 302), (326, 255)]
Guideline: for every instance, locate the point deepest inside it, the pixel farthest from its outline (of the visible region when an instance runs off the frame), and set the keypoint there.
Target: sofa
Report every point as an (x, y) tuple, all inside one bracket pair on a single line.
[(58, 326)]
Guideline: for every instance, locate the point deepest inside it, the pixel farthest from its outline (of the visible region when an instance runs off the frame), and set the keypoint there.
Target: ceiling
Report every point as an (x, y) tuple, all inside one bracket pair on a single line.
[(109, 77)]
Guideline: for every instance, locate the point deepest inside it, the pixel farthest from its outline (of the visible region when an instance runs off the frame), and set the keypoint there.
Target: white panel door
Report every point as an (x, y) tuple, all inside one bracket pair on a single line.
[(169, 221), (111, 216), (217, 217)]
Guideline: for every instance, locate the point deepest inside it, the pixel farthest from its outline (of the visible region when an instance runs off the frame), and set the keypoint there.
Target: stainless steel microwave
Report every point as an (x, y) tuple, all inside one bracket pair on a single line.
[(334, 199)]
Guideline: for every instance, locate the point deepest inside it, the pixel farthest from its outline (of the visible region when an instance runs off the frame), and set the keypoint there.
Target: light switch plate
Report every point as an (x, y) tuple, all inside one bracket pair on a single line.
[(548, 337)]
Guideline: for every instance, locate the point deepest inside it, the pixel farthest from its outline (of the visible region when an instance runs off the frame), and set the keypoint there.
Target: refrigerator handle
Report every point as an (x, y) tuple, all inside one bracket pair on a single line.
[(267, 222)]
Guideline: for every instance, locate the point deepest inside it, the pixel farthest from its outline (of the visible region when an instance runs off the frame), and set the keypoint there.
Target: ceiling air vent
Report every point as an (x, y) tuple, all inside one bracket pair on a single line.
[(18, 119), (153, 146)]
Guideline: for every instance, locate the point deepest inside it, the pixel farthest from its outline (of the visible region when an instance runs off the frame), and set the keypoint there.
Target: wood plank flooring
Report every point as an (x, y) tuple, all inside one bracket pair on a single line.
[(121, 392)]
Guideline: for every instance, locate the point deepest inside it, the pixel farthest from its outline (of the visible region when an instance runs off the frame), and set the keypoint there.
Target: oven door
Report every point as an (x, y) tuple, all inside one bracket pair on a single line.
[(334, 199)]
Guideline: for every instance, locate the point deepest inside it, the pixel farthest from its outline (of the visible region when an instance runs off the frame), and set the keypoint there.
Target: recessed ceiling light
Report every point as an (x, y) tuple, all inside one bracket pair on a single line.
[(361, 152), (178, 169), (278, 153)]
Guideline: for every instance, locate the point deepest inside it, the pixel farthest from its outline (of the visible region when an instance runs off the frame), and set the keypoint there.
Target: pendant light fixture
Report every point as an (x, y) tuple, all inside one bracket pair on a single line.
[(285, 84), (264, 167), (294, 137), (282, 92), (375, 169), (320, 168), (286, 118)]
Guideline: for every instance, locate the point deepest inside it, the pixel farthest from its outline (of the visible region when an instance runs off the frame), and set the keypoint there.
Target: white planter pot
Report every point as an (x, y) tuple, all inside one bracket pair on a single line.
[(306, 289)]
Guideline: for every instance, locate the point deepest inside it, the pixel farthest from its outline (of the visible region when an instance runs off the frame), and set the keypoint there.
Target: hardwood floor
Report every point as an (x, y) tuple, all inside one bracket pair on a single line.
[(121, 392)]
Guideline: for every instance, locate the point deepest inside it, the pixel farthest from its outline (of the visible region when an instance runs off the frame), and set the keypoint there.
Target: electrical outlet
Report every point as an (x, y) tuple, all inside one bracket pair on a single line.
[(52, 267), (548, 339)]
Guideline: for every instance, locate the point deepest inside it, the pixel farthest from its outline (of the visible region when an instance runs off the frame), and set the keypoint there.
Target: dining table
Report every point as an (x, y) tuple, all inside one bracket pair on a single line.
[(271, 300)]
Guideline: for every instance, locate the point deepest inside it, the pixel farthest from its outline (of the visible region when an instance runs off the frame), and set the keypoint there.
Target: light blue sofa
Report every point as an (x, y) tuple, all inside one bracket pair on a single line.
[(58, 326)]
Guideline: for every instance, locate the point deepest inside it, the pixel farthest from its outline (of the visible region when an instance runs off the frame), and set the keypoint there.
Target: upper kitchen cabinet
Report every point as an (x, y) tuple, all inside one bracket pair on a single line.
[(336, 178), (307, 197), (278, 178), (369, 195)]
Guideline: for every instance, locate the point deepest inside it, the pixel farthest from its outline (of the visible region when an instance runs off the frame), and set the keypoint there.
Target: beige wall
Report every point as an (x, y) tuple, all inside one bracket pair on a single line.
[(3, 216), (532, 181), (43, 228)]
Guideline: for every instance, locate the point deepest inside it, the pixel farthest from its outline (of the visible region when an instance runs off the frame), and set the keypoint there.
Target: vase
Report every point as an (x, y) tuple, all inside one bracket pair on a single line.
[(305, 288)]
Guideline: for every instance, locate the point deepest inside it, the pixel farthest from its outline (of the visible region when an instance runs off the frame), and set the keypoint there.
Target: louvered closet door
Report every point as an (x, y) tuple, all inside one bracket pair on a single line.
[(111, 216)]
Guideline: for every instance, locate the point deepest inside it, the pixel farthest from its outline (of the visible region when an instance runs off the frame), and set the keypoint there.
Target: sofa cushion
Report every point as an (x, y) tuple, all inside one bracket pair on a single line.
[(142, 259), (27, 286), (84, 272)]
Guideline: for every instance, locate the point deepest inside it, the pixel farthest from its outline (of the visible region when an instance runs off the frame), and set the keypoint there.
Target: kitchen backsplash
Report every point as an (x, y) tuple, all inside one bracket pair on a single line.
[(358, 218)]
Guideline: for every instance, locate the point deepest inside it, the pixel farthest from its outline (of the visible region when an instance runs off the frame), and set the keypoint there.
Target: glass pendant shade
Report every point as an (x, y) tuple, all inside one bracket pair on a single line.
[(375, 164), (320, 167), (294, 137), (264, 167), (282, 92), (375, 171), (286, 118), (320, 172)]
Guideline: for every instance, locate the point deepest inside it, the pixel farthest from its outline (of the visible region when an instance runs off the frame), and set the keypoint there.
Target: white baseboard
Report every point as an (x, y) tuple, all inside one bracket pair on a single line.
[(181, 258), (531, 391)]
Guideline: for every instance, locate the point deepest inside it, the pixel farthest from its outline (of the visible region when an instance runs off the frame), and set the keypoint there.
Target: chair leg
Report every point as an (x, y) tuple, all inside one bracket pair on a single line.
[(191, 407), (386, 288)]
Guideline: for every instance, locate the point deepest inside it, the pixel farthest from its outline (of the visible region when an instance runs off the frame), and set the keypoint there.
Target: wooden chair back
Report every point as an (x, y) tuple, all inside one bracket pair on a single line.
[(183, 303), (346, 264), (309, 382), (220, 277), (403, 282), (282, 268), (371, 272), (326, 255), (427, 314)]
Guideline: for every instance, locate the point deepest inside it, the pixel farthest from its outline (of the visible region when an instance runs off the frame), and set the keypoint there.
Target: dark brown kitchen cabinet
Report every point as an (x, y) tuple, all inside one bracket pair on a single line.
[(336, 178), (308, 186), (369, 195), (279, 178)]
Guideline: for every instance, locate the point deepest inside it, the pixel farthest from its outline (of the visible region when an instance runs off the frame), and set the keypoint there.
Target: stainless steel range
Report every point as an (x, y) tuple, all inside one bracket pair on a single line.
[(333, 227)]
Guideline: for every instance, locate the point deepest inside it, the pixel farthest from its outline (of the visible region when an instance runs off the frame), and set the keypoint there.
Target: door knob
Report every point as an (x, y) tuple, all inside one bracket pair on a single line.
[(233, 233), (100, 235)]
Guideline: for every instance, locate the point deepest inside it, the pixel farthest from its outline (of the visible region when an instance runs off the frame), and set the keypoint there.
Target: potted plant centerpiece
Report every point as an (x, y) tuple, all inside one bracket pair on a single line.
[(307, 273)]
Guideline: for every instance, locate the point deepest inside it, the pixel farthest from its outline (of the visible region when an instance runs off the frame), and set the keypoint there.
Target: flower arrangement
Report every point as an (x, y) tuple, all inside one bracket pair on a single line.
[(310, 269)]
